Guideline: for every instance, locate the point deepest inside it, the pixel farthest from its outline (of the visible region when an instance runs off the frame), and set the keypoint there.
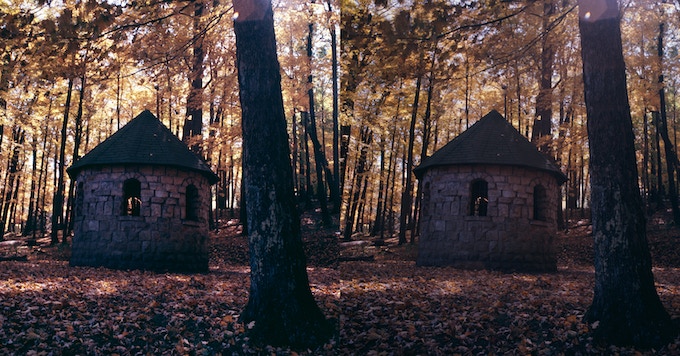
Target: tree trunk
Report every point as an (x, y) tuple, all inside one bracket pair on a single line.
[(345, 132), (295, 156), (193, 122), (669, 149), (320, 162), (31, 218), (427, 133), (646, 185), (360, 180), (625, 304), (407, 195), (320, 165), (42, 177), (542, 122), (660, 189), (645, 160), (336, 199), (379, 216), (518, 93), (12, 183), (77, 138), (58, 201), (305, 165), (280, 300)]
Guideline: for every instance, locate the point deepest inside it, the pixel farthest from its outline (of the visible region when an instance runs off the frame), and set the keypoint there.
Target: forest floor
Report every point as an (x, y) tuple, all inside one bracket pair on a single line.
[(382, 302)]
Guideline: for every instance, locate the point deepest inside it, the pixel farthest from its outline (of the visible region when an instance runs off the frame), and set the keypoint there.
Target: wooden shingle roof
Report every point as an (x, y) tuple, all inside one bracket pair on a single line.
[(144, 140), (491, 140)]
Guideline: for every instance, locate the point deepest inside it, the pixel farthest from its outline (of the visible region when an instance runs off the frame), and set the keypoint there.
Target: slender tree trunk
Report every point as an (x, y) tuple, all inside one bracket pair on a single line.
[(7, 183), (360, 180), (320, 162), (193, 122), (30, 219), (407, 195), (13, 170), (671, 159), (387, 211), (646, 185), (321, 166), (336, 199), (669, 149), (169, 86), (13, 208), (280, 301), (645, 159), (389, 184), (77, 138), (467, 93), (58, 201), (361, 207), (379, 217), (119, 90), (345, 133), (427, 133), (295, 155), (625, 303), (42, 177), (542, 122), (306, 164), (518, 88), (660, 188), (5, 77)]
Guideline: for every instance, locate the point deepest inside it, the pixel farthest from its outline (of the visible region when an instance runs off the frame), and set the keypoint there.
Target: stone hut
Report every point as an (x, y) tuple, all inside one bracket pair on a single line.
[(142, 202), (490, 200)]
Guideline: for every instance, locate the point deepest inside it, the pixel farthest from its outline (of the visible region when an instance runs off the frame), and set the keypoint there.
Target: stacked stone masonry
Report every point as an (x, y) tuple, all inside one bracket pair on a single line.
[(160, 238), (509, 237)]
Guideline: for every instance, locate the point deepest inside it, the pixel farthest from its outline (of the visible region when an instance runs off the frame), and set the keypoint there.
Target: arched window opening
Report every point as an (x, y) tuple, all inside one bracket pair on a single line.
[(540, 203), (479, 198), (132, 197), (192, 203)]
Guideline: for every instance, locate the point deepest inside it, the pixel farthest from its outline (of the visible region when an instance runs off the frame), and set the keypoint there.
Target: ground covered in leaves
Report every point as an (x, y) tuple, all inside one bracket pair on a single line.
[(383, 303)]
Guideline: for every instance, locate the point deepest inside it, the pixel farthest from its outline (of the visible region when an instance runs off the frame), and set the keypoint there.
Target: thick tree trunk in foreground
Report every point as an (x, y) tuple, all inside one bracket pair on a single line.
[(626, 308), (280, 301)]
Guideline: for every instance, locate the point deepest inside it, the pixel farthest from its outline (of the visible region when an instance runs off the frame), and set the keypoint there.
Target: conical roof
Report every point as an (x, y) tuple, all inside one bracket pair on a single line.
[(491, 140), (144, 140)]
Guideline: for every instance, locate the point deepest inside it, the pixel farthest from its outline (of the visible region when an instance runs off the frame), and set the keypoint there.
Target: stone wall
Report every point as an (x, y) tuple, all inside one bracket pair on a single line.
[(508, 238), (161, 238)]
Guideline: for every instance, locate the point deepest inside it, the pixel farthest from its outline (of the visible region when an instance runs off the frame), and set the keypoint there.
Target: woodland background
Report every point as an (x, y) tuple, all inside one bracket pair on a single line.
[(370, 88)]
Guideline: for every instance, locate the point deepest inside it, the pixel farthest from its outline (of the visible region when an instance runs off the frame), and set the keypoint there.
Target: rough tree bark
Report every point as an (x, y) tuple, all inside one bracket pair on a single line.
[(280, 301), (626, 308)]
